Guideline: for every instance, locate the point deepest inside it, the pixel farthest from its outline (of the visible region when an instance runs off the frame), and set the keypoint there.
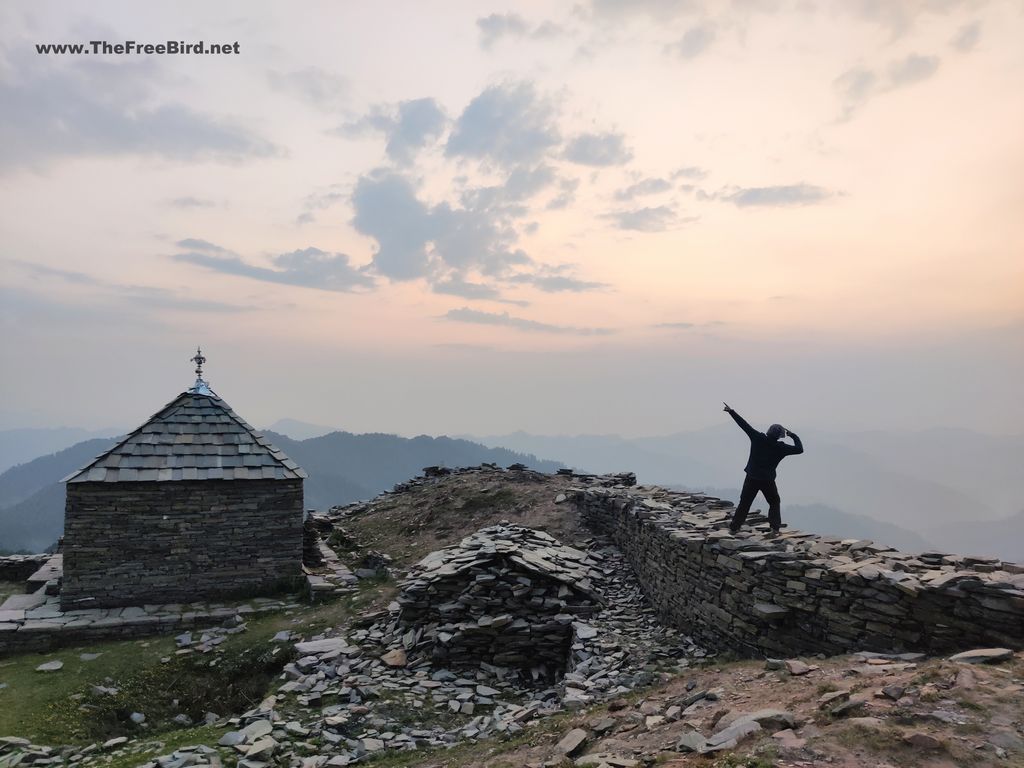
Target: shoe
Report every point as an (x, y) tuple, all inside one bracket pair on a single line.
[(733, 531)]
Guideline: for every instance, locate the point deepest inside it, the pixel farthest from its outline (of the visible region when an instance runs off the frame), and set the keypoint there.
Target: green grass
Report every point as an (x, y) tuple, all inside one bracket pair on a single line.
[(166, 744), (8, 588), (60, 707)]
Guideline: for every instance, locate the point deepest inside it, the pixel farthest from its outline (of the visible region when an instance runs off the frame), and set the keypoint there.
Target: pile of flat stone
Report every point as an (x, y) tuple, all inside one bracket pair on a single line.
[(506, 595)]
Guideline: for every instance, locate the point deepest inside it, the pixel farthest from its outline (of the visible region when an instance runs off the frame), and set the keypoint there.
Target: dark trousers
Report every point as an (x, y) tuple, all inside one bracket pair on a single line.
[(751, 487)]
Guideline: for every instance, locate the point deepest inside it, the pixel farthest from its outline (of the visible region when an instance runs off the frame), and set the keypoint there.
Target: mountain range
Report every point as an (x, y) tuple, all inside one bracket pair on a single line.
[(951, 489)]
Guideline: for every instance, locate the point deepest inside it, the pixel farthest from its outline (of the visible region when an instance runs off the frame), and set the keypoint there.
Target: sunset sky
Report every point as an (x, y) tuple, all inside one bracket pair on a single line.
[(471, 217)]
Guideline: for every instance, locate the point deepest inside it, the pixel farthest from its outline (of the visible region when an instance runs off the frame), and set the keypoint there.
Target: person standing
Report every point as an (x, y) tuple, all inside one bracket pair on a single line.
[(766, 451)]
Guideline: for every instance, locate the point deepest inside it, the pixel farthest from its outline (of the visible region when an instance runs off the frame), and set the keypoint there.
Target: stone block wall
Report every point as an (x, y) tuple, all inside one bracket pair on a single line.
[(801, 593), (165, 542), (20, 567)]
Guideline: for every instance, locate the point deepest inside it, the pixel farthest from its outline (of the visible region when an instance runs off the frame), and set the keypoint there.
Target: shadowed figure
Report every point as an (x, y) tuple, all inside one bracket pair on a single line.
[(766, 451)]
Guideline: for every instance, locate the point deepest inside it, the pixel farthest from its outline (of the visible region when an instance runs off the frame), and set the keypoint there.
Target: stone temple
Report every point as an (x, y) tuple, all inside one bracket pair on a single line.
[(192, 505)]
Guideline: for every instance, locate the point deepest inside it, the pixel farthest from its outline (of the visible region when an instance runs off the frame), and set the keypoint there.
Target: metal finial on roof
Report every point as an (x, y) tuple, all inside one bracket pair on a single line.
[(201, 387)]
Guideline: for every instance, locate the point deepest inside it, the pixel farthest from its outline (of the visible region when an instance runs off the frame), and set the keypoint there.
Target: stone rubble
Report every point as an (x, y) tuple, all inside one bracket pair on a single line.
[(381, 686)]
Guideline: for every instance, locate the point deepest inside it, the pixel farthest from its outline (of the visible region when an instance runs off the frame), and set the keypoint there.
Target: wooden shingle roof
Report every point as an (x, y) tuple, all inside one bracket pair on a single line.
[(194, 437)]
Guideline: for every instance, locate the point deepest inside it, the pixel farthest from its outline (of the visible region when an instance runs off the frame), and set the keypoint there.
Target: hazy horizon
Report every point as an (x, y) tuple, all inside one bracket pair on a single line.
[(580, 217)]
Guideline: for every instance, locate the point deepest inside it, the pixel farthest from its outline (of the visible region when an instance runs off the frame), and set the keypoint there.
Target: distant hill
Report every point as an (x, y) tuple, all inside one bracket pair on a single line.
[(22, 481), (915, 480), (1003, 538), (18, 446), (299, 430), (343, 467)]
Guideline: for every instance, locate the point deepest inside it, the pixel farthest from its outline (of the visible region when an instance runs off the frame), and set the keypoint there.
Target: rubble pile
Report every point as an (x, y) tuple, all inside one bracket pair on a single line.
[(506, 595)]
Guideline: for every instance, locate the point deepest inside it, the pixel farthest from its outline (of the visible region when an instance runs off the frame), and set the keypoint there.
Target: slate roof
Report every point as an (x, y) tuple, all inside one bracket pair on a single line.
[(528, 548), (194, 437)]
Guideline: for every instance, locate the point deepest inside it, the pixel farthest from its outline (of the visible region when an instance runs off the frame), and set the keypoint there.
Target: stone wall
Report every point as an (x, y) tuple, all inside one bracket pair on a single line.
[(801, 593), (20, 567), (148, 542)]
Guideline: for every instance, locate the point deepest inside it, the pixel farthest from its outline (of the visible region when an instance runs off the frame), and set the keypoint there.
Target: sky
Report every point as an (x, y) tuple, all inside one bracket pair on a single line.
[(597, 216)]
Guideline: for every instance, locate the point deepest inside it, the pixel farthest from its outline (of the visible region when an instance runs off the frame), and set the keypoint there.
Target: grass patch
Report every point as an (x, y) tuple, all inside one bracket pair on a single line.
[(166, 744), (60, 707), (8, 588), (766, 760)]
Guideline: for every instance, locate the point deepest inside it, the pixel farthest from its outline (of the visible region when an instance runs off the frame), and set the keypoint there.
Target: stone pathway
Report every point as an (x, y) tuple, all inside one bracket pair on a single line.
[(36, 622)]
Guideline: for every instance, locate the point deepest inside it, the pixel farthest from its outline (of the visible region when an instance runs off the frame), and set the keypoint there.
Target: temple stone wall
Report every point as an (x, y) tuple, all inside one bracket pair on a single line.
[(802, 593), (148, 542)]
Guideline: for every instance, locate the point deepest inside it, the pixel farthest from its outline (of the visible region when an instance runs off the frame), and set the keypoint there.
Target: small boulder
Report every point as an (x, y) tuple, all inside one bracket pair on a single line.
[(922, 740), (983, 656), (395, 658), (572, 742), (796, 667), (690, 741), (787, 739)]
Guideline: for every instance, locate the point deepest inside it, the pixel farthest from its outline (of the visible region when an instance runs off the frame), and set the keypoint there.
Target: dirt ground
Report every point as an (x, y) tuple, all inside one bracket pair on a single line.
[(409, 525), (949, 715)]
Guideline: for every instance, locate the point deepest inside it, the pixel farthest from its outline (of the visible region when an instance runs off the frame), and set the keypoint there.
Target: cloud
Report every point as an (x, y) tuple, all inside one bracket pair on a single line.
[(318, 87), (409, 127), (467, 315), (899, 16), (659, 10), (556, 283), (498, 25), (566, 195), (387, 209), (598, 149), (141, 295), (191, 202), (694, 42), (778, 196), (967, 37), (456, 286), (321, 200), (306, 268), (676, 326), (685, 326), (912, 69), (857, 85), (415, 239), (650, 219), (505, 125), (689, 172), (648, 186), (83, 108)]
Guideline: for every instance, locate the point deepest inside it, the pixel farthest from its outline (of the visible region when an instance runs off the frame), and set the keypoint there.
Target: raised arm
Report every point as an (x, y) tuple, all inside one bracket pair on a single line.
[(798, 446), (751, 432)]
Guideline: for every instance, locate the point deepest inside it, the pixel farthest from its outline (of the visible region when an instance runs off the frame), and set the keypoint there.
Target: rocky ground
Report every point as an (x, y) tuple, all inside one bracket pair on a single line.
[(360, 689)]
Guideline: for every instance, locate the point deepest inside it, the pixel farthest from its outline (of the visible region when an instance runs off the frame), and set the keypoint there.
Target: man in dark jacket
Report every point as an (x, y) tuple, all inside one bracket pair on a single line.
[(766, 451)]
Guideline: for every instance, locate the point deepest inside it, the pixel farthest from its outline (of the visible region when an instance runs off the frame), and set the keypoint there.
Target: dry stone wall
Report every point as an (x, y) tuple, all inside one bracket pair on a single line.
[(147, 542), (801, 593), (20, 567)]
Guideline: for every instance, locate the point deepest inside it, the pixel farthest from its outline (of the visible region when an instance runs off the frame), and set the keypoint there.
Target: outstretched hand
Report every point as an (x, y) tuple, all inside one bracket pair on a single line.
[(727, 409)]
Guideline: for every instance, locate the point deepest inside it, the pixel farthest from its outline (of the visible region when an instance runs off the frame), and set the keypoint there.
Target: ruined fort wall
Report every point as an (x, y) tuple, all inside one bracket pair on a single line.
[(802, 594), (148, 542)]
